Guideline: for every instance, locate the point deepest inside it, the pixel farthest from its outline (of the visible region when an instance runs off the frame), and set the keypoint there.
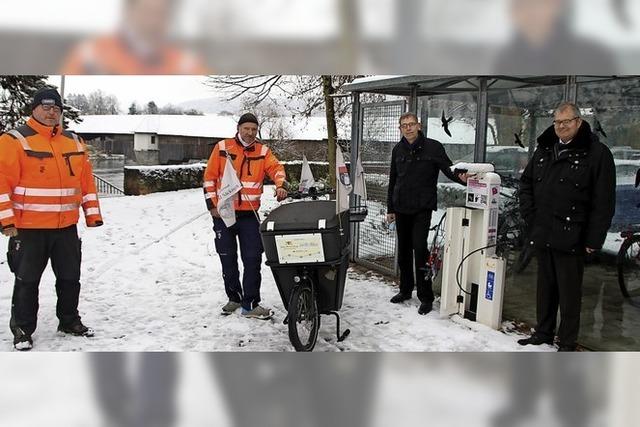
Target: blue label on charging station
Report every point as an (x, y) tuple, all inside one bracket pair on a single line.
[(491, 278)]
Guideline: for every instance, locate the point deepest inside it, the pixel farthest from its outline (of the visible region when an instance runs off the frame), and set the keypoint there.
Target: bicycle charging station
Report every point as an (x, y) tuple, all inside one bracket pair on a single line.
[(473, 276)]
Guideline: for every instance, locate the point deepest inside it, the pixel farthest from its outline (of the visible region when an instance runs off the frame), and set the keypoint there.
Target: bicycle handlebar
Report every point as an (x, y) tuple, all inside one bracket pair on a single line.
[(312, 193)]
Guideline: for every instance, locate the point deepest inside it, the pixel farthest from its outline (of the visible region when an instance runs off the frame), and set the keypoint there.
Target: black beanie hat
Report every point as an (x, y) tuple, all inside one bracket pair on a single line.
[(248, 118), (46, 96)]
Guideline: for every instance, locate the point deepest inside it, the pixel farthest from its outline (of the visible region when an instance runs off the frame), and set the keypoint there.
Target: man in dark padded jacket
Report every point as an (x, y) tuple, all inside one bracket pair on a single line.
[(415, 164), (567, 200)]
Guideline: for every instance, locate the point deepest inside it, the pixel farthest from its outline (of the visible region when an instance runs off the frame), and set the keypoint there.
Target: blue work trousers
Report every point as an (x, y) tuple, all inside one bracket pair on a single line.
[(246, 230)]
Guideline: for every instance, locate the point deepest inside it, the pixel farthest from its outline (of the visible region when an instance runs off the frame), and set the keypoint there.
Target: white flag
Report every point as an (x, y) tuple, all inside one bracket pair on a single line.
[(343, 186), (359, 186), (306, 177), (230, 186)]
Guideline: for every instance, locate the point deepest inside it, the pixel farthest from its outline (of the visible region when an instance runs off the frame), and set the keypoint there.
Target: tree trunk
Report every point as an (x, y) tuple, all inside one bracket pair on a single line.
[(327, 91)]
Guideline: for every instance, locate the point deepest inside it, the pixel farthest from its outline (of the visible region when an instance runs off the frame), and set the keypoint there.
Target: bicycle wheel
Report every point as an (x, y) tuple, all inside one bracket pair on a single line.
[(629, 267), (304, 318), (436, 250)]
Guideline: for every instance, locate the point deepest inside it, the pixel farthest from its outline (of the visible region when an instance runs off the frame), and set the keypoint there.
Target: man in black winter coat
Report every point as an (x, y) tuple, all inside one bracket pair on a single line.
[(415, 164), (567, 200)]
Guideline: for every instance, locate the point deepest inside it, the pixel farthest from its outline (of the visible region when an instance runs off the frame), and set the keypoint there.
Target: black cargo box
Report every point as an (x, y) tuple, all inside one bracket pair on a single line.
[(312, 229)]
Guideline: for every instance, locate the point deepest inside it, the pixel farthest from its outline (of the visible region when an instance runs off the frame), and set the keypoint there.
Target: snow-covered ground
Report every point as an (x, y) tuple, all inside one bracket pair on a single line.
[(151, 280)]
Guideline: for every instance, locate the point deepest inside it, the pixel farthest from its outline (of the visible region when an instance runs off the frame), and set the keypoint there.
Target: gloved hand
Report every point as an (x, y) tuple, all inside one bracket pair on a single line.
[(10, 231), (281, 194)]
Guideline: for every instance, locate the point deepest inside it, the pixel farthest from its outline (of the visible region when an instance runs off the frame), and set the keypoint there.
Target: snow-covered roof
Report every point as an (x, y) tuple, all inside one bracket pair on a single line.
[(207, 126), (373, 78), (179, 125), (426, 85), (216, 126)]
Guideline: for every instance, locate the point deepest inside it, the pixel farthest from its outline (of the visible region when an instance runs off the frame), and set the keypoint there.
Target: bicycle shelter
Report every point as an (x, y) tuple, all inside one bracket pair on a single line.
[(497, 119)]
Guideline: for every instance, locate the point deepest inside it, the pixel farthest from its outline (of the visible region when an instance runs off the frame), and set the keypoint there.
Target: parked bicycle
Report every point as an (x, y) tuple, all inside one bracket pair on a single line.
[(307, 245), (436, 251), (628, 261), (628, 264), (512, 233)]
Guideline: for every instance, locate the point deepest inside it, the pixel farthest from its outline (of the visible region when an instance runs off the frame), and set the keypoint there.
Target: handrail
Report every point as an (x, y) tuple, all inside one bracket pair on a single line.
[(105, 187)]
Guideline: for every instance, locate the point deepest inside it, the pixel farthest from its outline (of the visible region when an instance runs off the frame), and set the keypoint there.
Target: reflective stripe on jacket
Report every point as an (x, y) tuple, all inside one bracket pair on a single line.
[(45, 176), (250, 163)]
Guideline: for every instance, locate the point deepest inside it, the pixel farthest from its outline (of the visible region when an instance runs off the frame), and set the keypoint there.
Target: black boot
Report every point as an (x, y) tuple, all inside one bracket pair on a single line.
[(76, 328), (400, 297), (22, 341), (425, 308), (565, 347), (535, 339)]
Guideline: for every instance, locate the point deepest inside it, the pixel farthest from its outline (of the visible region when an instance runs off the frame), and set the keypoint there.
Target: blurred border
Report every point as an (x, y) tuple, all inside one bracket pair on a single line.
[(285, 390), (322, 37)]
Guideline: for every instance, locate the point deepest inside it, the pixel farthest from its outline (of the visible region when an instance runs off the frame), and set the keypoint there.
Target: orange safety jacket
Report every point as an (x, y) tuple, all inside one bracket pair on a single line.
[(45, 176), (113, 55), (250, 163)]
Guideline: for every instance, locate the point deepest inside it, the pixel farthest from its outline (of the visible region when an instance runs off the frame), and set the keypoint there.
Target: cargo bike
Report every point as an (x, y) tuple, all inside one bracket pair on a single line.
[(307, 246)]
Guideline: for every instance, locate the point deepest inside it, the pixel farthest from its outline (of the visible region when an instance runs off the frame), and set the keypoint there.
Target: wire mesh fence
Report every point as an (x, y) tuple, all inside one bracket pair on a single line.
[(376, 246)]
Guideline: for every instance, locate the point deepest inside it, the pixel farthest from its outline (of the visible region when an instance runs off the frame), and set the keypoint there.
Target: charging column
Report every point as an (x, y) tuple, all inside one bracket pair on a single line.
[(473, 276)]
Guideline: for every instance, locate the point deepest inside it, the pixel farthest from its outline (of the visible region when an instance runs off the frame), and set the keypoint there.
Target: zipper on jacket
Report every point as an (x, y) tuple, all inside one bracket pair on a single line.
[(68, 161), (245, 158), (53, 132), (240, 177)]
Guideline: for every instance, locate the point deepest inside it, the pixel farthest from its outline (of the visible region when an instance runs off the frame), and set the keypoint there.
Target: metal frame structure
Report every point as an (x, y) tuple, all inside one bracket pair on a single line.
[(358, 124), (415, 87)]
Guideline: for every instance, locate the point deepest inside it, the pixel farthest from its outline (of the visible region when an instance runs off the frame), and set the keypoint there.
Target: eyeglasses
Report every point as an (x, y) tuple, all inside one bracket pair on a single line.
[(564, 122), (48, 108), (408, 125)]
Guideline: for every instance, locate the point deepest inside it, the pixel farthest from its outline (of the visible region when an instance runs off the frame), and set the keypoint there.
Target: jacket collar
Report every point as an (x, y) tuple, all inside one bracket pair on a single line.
[(251, 147), (582, 140), (46, 131), (417, 144)]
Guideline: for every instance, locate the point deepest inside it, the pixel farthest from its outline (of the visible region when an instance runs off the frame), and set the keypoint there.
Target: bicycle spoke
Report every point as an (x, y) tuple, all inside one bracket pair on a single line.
[(306, 319)]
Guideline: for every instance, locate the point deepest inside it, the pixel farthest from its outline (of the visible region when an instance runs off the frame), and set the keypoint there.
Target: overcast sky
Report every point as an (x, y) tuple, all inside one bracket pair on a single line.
[(141, 89)]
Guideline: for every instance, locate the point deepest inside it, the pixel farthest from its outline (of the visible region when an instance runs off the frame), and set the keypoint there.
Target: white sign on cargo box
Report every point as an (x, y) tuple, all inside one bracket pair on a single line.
[(299, 248)]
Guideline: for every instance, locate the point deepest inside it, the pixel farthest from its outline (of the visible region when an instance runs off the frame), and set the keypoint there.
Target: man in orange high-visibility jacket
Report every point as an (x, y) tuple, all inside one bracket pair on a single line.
[(251, 160), (45, 176)]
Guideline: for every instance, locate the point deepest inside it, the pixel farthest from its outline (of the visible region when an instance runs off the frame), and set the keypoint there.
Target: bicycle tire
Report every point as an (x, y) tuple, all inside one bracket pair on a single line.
[(437, 247), (303, 317), (628, 263)]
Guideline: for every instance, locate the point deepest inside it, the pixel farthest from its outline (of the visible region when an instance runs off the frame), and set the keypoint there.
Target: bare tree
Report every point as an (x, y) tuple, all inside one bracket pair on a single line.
[(307, 95), (102, 103), (171, 109), (332, 132), (80, 102), (152, 108), (133, 109), (97, 102), (257, 88)]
